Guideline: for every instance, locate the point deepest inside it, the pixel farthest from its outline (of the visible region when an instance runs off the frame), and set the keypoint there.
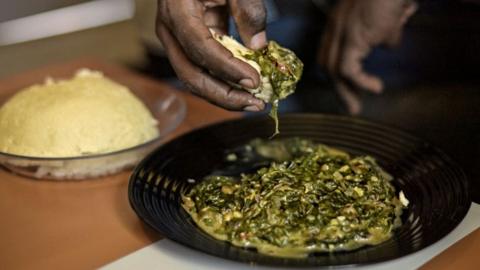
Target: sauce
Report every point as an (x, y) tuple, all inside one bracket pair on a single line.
[(312, 199)]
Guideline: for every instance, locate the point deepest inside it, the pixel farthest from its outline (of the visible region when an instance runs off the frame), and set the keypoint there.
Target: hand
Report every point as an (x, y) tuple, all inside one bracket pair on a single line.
[(203, 63), (354, 28)]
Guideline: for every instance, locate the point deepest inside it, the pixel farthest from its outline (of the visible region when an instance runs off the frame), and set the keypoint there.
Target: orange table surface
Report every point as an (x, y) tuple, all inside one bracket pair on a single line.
[(79, 224)]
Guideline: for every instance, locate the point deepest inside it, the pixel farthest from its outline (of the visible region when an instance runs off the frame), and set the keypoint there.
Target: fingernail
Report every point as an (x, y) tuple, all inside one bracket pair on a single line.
[(251, 108), (258, 41), (247, 83)]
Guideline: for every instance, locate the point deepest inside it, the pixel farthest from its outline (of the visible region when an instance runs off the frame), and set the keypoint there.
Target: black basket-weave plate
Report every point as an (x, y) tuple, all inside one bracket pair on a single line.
[(434, 184)]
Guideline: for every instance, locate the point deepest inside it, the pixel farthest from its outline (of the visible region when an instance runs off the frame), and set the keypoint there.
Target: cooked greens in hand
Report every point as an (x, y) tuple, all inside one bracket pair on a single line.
[(312, 199), (279, 69)]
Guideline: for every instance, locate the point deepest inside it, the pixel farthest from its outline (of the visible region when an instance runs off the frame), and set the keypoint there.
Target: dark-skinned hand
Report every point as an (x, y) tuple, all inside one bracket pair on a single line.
[(205, 66), (353, 29)]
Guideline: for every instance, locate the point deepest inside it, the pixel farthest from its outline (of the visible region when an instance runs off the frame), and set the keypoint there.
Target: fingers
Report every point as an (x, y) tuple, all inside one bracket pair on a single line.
[(349, 97), (224, 95), (341, 54), (185, 20), (250, 18), (202, 83), (351, 69), (353, 29)]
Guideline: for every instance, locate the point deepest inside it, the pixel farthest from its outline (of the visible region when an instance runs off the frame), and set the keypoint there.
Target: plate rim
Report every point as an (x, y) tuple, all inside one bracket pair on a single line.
[(463, 175)]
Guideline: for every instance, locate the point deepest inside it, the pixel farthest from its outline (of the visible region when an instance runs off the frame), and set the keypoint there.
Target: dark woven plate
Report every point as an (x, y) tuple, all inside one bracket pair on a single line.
[(434, 184)]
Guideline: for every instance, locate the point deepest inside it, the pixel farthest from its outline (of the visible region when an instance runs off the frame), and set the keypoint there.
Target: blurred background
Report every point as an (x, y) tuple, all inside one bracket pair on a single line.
[(432, 79), (441, 39)]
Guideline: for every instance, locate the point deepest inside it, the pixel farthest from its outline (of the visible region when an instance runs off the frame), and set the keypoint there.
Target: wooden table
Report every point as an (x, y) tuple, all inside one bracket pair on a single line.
[(86, 224), (78, 224)]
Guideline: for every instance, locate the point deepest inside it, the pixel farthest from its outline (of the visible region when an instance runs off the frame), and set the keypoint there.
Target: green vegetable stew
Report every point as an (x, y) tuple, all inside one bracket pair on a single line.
[(311, 198)]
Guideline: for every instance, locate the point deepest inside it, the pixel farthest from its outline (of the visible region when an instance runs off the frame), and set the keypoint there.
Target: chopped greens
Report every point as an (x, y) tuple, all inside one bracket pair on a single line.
[(284, 70), (279, 69), (312, 198)]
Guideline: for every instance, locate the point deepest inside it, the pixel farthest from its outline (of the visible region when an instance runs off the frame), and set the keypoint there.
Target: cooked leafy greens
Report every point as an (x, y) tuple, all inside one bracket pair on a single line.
[(313, 198), (279, 69)]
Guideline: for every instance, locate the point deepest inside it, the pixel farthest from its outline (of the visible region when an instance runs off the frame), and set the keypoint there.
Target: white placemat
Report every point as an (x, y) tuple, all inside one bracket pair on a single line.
[(166, 254)]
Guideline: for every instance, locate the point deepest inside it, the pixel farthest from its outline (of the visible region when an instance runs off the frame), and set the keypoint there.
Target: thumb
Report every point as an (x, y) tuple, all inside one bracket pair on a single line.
[(250, 19)]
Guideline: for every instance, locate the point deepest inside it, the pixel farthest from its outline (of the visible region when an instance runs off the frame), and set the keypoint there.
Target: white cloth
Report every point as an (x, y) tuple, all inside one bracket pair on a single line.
[(166, 254)]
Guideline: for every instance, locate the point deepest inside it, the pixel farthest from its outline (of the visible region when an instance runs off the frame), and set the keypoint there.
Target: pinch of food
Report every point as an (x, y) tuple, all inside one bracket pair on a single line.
[(279, 70)]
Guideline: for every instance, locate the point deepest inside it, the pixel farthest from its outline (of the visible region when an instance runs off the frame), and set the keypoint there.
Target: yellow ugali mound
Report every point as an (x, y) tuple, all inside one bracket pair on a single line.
[(87, 114)]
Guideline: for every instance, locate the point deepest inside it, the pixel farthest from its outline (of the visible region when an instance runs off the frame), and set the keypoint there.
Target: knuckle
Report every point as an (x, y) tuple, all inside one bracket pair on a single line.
[(195, 48), (198, 55)]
